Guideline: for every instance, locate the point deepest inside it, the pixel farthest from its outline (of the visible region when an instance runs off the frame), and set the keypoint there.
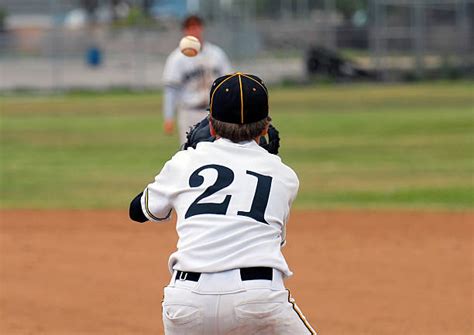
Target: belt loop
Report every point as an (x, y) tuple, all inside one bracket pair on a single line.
[(277, 280), (174, 278)]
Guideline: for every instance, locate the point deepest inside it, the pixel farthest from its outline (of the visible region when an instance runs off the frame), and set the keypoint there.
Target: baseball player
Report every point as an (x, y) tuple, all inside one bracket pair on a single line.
[(187, 80), (232, 200)]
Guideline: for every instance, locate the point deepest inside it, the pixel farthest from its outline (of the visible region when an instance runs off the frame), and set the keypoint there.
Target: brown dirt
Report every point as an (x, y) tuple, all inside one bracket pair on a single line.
[(95, 272)]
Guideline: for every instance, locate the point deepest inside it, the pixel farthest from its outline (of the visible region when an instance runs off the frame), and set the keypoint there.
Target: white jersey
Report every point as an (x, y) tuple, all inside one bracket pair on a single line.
[(194, 75), (232, 202)]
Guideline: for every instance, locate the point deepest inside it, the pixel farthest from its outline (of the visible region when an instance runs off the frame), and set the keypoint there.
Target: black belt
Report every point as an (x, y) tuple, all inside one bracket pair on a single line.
[(254, 273)]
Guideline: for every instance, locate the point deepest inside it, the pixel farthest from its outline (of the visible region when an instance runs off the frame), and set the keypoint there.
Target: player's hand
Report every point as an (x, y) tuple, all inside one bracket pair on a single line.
[(169, 127)]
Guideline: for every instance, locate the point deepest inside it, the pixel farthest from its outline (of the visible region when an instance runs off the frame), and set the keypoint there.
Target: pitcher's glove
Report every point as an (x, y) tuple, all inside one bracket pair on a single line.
[(200, 132)]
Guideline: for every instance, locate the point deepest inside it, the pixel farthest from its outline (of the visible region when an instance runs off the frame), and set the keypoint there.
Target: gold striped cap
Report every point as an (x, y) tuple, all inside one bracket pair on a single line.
[(238, 98)]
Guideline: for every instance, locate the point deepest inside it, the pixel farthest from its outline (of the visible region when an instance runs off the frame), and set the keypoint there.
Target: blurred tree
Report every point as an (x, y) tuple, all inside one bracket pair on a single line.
[(113, 6), (90, 6), (120, 9), (267, 8), (146, 7), (348, 7), (3, 18), (272, 8)]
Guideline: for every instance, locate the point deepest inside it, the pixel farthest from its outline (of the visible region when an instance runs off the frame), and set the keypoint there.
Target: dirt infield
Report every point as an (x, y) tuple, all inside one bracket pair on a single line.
[(86, 272)]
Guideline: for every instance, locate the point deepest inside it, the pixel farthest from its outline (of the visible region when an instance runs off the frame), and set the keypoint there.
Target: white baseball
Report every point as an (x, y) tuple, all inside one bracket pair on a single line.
[(189, 46)]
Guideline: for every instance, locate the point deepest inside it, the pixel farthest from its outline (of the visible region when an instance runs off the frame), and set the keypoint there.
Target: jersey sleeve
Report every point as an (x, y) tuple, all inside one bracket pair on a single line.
[(170, 98), (172, 75), (157, 197)]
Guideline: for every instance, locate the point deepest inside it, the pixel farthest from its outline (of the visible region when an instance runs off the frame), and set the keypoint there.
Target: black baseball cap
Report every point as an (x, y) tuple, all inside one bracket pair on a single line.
[(238, 98)]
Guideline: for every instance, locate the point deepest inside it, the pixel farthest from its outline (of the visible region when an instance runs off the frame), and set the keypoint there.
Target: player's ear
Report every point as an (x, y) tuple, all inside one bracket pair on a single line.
[(211, 129), (265, 131)]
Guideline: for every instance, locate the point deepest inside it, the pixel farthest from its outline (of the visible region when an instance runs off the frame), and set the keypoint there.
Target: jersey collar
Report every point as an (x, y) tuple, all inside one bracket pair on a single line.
[(245, 144)]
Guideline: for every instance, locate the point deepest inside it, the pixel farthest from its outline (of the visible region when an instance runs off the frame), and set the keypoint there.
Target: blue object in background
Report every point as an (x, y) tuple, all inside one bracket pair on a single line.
[(169, 8), (94, 57)]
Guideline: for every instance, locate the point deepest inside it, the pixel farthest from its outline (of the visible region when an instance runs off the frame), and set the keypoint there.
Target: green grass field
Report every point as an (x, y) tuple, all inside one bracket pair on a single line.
[(363, 146)]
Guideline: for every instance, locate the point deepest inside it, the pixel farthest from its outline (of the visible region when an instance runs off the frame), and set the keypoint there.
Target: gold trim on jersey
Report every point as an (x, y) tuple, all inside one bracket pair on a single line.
[(241, 99), (300, 314), (150, 213)]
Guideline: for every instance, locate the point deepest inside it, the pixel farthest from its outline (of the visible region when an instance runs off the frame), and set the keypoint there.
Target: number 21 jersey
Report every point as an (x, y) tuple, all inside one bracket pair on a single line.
[(232, 202)]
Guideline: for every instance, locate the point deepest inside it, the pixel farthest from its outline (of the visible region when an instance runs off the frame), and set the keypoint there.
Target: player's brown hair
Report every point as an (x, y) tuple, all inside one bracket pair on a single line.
[(240, 132), (192, 19)]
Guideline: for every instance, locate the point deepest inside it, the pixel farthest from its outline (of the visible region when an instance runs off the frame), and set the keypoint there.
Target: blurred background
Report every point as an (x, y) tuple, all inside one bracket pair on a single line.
[(64, 44)]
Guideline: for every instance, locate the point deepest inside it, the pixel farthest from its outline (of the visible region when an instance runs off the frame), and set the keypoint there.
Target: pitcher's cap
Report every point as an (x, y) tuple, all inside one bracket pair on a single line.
[(238, 98)]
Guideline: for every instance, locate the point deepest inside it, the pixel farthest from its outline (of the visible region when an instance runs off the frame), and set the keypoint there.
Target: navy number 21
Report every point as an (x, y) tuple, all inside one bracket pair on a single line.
[(225, 177)]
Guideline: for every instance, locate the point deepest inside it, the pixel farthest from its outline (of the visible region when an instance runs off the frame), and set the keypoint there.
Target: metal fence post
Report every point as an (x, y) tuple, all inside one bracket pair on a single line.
[(419, 36), (56, 48)]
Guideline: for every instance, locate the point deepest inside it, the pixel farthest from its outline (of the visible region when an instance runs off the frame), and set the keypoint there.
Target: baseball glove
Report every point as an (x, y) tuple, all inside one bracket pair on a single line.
[(200, 132)]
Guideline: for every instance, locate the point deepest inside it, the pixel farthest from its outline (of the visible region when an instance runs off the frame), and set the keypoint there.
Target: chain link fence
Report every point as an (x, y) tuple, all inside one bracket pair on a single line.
[(64, 44)]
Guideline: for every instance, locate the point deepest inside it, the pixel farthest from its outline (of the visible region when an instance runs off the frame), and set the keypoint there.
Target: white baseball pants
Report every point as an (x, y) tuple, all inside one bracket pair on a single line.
[(187, 119), (221, 303)]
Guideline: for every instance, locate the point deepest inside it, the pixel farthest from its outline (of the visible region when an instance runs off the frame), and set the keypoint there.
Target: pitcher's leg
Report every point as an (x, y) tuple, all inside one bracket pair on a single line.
[(183, 125), (187, 119)]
